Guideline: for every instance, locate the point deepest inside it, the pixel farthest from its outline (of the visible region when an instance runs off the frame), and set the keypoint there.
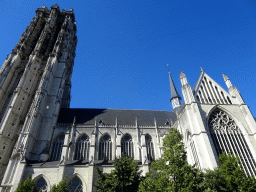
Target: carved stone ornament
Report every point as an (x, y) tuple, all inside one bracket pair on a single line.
[(222, 122)]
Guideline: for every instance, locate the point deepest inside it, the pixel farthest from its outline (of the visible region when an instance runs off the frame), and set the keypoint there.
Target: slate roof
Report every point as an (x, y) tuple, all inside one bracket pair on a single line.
[(108, 116)]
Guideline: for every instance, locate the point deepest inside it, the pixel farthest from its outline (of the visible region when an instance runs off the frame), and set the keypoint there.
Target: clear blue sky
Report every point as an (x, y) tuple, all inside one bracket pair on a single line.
[(124, 46)]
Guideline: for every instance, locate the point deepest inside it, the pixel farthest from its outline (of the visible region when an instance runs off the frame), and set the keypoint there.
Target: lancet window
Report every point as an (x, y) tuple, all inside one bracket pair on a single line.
[(82, 148), (75, 185), (192, 151), (41, 185), (127, 146), (228, 138), (57, 148), (150, 148), (105, 148)]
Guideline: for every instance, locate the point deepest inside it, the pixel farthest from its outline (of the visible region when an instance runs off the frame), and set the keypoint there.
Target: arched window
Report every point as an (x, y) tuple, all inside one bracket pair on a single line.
[(105, 148), (57, 148), (150, 148), (82, 148), (228, 138), (127, 146), (191, 149), (41, 185), (75, 185)]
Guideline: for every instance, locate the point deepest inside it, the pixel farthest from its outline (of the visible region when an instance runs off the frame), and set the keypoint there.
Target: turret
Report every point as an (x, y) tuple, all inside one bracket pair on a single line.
[(175, 97)]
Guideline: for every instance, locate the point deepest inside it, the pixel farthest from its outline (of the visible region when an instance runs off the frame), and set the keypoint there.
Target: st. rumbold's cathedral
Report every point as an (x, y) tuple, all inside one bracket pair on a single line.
[(40, 135)]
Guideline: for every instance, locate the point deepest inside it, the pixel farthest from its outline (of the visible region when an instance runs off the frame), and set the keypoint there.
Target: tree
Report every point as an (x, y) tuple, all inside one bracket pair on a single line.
[(172, 172), (124, 178), (229, 176), (27, 185), (61, 187)]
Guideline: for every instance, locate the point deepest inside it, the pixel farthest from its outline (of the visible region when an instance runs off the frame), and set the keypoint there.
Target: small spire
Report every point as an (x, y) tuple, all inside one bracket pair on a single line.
[(174, 93), (227, 81), (225, 77), (182, 74), (183, 78), (202, 69)]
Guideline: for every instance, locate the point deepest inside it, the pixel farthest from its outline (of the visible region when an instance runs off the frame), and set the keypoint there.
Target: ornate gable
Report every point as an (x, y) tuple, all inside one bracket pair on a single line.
[(207, 91)]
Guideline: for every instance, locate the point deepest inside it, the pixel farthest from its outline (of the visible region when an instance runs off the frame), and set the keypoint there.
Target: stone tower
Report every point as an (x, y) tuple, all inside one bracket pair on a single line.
[(35, 81)]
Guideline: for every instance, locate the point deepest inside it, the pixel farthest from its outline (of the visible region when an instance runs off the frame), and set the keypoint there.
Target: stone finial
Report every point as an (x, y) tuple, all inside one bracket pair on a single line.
[(183, 78), (225, 77), (227, 81), (182, 74), (202, 69)]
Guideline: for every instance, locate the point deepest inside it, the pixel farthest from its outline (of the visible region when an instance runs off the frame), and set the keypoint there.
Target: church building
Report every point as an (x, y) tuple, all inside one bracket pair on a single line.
[(42, 136)]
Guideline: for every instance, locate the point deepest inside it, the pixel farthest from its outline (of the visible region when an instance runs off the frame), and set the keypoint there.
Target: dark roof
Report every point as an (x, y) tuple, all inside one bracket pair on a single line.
[(108, 116), (174, 92)]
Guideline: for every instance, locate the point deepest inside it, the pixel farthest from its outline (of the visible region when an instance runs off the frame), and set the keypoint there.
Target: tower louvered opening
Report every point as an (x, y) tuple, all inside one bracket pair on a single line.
[(228, 138)]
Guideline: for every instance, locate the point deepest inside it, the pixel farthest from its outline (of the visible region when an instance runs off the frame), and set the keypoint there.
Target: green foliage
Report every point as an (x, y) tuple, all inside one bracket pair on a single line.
[(26, 186), (124, 178), (229, 176), (61, 187), (172, 172)]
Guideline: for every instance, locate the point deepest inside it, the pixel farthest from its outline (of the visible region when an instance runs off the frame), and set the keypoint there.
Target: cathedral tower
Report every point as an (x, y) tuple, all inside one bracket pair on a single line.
[(34, 84)]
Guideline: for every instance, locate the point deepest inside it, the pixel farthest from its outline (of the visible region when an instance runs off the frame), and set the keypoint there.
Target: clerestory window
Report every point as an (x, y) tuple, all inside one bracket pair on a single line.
[(57, 148), (150, 148), (105, 148), (127, 146), (82, 148)]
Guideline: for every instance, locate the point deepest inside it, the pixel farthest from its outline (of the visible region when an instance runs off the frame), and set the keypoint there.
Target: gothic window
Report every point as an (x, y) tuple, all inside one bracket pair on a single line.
[(41, 185), (75, 185), (228, 138), (105, 148), (57, 148), (127, 146), (82, 148), (150, 148), (192, 151)]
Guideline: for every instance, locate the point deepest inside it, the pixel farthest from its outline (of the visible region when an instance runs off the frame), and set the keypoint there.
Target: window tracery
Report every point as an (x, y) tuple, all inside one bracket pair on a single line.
[(150, 148), (105, 148), (41, 185), (228, 138), (57, 148), (82, 148), (192, 150), (75, 185), (127, 146)]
